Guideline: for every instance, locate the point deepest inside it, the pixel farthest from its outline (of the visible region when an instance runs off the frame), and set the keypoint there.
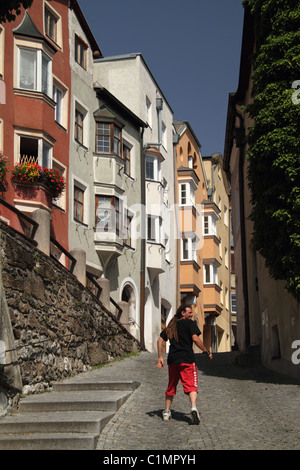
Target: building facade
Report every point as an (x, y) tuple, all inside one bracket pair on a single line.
[(267, 316), (219, 192), (33, 129), (129, 79)]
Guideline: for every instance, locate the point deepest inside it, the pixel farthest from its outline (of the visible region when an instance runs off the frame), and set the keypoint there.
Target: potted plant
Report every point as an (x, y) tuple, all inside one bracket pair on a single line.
[(54, 181), (32, 181), (3, 171)]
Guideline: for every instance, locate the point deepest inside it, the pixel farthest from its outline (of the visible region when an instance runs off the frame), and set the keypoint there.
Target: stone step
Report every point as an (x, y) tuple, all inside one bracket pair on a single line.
[(107, 400), (45, 441), (71, 417), (79, 385), (55, 422)]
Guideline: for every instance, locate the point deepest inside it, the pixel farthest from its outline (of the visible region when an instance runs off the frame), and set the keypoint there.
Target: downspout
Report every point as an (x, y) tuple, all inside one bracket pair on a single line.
[(143, 242), (175, 143)]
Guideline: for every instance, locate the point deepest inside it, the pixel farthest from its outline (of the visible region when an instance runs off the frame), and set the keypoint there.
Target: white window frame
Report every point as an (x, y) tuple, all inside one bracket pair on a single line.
[(43, 143), (58, 25), (209, 225), (210, 273), (188, 245), (155, 227), (156, 170), (60, 114), (37, 85), (189, 199), (2, 38)]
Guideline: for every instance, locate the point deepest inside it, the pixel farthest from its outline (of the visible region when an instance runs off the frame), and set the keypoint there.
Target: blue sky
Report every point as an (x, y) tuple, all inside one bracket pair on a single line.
[(192, 48)]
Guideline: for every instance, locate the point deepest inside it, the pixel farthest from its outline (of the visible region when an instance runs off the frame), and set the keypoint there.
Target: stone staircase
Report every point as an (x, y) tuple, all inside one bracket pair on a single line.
[(71, 417)]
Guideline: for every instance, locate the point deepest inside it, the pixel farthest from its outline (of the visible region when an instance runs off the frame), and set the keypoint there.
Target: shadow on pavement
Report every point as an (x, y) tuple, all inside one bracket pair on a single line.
[(176, 415), (228, 365)]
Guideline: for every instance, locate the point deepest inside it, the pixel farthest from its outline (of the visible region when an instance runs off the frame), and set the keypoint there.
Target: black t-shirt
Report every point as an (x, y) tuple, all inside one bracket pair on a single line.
[(182, 351)]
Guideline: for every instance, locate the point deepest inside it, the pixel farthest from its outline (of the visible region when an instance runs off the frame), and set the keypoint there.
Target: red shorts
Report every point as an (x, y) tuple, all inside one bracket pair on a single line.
[(187, 373)]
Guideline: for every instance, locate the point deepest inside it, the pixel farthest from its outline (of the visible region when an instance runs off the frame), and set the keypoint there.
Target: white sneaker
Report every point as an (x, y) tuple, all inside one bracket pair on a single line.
[(166, 415), (195, 416)]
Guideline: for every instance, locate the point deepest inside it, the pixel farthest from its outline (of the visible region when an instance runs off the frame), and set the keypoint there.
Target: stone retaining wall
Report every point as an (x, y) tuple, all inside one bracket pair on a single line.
[(60, 328)]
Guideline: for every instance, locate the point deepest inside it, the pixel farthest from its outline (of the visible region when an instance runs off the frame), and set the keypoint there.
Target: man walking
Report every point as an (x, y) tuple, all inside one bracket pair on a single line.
[(182, 332)]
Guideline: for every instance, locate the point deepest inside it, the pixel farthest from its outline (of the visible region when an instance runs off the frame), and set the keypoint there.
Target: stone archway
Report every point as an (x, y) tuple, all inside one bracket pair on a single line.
[(129, 300)]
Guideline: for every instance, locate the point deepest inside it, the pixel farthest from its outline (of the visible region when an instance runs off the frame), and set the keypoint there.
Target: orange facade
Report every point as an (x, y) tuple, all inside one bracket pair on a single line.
[(199, 248)]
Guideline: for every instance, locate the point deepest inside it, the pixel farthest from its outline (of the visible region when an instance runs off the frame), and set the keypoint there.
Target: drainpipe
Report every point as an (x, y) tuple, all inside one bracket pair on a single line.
[(143, 242), (175, 143)]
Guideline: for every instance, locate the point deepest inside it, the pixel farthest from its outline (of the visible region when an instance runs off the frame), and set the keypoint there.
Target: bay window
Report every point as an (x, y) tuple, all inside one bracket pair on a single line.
[(33, 149), (153, 229), (152, 168), (108, 138), (108, 214), (186, 194), (34, 70), (210, 274), (209, 225), (188, 249)]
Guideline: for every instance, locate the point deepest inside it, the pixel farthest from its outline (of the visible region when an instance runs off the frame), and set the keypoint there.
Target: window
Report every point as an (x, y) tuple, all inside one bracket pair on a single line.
[(225, 215), (108, 138), (126, 158), (50, 25), (233, 302), (80, 52), (58, 98), (61, 201), (34, 70), (102, 137), (78, 204), (117, 141), (210, 274), (149, 168), (209, 225), (81, 123), (78, 126), (127, 228), (108, 214), (35, 150), (152, 168), (149, 112), (1, 53), (189, 252), (164, 135), (186, 195), (153, 229)]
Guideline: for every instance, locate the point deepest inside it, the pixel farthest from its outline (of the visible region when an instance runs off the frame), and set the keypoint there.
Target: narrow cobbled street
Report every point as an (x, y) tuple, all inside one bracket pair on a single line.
[(241, 408)]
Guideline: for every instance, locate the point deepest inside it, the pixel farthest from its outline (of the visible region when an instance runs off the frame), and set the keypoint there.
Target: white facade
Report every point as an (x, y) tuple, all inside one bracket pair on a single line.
[(130, 80)]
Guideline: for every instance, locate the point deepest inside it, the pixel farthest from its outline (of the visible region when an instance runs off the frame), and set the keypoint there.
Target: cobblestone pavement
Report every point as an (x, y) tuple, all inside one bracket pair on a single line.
[(241, 408)]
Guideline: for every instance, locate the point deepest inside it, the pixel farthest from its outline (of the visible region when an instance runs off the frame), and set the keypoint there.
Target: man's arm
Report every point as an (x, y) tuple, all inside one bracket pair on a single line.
[(160, 362), (200, 344)]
